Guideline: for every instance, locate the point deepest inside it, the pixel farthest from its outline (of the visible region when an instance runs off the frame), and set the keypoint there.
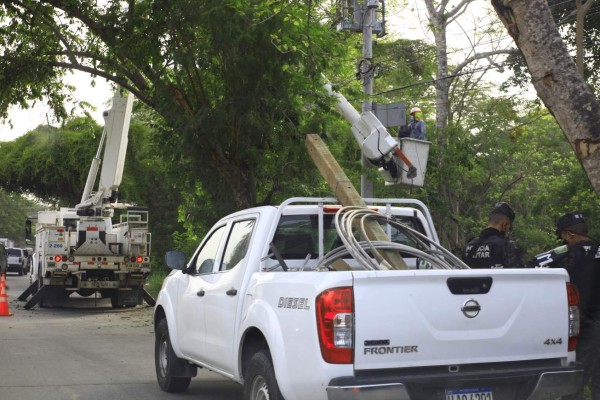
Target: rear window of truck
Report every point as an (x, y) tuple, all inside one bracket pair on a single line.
[(298, 235)]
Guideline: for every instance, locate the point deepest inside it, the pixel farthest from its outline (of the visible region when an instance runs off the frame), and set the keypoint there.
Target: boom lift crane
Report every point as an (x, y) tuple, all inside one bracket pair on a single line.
[(380, 148), (80, 249)]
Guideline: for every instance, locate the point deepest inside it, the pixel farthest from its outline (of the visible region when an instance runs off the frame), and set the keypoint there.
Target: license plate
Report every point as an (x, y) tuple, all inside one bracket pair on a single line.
[(469, 394)]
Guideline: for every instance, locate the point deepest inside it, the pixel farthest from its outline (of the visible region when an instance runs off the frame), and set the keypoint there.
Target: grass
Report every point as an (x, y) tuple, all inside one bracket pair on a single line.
[(155, 280)]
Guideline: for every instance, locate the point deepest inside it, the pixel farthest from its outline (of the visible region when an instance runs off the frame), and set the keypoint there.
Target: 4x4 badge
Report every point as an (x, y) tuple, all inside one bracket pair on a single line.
[(471, 308)]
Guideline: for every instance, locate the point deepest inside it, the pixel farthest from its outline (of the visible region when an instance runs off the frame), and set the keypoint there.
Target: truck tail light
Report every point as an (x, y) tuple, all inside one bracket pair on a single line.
[(335, 323), (574, 319)]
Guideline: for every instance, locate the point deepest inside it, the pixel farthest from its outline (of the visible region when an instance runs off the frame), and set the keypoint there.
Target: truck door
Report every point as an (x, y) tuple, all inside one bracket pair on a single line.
[(224, 297), (191, 322)]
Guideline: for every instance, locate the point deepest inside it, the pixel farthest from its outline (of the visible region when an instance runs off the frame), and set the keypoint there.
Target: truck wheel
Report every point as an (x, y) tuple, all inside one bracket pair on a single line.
[(259, 380), (21, 270), (165, 360)]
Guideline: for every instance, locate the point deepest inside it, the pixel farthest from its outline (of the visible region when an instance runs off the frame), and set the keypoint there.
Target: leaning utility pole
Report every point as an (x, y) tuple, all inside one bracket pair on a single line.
[(345, 192)]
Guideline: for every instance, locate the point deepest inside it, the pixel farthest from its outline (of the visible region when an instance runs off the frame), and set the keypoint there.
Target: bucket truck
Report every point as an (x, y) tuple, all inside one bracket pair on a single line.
[(80, 249)]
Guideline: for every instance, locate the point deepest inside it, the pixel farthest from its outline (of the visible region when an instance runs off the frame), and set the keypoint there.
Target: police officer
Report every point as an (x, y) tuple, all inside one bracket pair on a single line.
[(580, 256), (492, 249)]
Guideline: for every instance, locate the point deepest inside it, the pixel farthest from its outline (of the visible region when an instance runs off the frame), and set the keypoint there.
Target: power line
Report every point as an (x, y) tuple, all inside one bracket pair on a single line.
[(480, 44)]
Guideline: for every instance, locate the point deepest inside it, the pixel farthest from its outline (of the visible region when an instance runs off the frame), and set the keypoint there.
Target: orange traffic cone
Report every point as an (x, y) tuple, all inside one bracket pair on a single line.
[(3, 281), (3, 299)]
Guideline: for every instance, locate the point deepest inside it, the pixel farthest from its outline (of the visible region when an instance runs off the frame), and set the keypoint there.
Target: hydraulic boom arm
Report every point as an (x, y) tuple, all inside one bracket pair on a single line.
[(373, 138), (115, 134)]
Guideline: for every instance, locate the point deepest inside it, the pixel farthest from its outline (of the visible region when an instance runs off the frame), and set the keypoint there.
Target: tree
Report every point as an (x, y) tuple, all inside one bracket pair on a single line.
[(14, 210), (49, 162), (54, 163), (556, 78), (579, 25), (440, 15), (226, 76), (573, 15)]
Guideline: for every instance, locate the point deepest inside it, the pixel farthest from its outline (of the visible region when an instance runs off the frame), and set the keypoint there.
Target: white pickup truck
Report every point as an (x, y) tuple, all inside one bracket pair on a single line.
[(267, 302)]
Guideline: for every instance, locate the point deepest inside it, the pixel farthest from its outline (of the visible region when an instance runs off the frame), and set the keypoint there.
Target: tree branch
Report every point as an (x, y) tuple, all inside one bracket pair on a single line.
[(458, 8), (479, 56)]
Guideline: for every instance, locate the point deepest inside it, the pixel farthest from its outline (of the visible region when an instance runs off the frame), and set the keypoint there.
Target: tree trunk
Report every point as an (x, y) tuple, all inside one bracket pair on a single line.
[(240, 179), (582, 10), (556, 78), (438, 21)]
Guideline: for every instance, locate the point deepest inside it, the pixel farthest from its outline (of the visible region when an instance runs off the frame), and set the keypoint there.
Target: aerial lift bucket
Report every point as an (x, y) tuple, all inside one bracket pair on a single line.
[(417, 153)]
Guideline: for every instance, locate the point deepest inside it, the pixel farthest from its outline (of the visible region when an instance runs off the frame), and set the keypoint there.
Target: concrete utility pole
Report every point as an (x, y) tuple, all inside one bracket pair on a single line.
[(367, 72), (362, 17)]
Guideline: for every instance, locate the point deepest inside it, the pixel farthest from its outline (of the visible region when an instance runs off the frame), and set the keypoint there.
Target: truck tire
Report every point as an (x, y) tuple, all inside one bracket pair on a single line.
[(165, 362), (259, 380)]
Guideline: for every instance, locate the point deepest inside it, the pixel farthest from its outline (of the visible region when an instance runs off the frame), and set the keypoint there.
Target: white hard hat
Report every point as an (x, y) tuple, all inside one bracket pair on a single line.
[(414, 110)]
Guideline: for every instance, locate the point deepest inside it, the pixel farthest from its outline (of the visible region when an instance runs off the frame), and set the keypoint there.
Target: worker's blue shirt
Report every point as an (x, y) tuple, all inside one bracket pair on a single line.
[(417, 129)]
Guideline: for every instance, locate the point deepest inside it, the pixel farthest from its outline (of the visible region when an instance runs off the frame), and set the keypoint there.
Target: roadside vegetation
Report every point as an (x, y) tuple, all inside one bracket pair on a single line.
[(226, 95)]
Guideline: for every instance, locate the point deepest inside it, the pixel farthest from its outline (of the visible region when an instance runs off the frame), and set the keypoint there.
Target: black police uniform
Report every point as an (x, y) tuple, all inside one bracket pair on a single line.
[(492, 249), (582, 262)]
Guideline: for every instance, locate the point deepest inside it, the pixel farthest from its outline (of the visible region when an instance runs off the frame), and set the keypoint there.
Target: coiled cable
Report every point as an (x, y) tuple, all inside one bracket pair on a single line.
[(367, 252)]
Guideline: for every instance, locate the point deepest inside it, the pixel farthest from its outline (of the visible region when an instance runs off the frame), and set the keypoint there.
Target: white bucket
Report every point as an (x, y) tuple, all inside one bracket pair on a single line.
[(417, 152)]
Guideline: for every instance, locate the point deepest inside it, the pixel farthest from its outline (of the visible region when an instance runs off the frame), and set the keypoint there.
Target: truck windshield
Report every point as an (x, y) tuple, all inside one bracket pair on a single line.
[(298, 235), (14, 252)]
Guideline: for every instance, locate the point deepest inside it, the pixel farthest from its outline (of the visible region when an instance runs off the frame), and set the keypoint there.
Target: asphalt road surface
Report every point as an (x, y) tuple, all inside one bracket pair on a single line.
[(86, 350)]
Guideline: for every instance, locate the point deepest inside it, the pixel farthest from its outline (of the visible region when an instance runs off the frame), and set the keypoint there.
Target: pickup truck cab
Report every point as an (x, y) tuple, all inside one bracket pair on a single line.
[(285, 302)]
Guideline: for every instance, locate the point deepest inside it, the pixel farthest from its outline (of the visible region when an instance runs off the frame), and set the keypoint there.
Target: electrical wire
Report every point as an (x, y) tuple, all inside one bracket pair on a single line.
[(593, 11)]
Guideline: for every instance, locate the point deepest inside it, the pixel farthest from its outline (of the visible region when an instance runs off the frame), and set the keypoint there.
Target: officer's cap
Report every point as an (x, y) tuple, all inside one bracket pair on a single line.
[(572, 221), (504, 209)]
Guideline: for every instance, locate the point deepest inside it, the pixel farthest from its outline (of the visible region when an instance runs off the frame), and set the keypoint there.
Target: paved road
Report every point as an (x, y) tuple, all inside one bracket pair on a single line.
[(86, 350)]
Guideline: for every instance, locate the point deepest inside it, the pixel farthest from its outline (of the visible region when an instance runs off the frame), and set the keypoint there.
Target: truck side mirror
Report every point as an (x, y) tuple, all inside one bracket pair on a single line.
[(175, 260)]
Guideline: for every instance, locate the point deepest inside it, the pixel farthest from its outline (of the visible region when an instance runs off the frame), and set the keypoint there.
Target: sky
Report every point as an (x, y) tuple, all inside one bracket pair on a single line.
[(25, 120)]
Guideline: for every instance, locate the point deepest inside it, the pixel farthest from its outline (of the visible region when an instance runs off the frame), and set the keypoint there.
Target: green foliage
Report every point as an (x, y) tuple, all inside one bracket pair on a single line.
[(14, 210), (227, 78), (564, 13), (155, 280), (49, 162), (53, 164), (407, 69), (496, 155), (229, 91)]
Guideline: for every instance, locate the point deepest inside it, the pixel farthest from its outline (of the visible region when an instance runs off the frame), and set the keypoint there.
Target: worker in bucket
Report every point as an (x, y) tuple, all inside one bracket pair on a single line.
[(492, 249), (417, 125)]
